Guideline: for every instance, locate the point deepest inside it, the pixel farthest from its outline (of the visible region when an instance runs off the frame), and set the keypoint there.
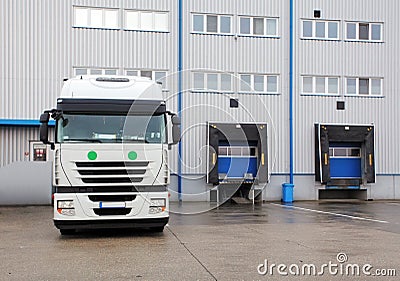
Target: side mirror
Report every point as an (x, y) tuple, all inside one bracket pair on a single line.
[(44, 129), (176, 129), (175, 119)]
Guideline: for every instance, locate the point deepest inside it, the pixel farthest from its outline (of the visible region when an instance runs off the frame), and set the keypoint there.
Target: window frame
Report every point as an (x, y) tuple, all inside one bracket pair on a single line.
[(153, 19), (89, 69), (153, 74), (89, 17), (314, 29), (370, 79), (265, 26), (348, 150), (204, 31), (205, 82), (357, 39), (314, 85), (265, 83)]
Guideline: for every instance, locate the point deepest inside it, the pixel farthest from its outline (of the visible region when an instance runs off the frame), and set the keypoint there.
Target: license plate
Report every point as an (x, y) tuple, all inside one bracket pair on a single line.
[(112, 205)]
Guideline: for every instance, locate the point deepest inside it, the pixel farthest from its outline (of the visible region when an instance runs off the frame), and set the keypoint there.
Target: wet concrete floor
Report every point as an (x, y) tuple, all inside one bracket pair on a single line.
[(201, 242)]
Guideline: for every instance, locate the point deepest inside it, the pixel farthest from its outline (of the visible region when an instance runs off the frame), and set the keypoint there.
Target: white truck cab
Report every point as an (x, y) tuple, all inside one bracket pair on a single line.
[(110, 166)]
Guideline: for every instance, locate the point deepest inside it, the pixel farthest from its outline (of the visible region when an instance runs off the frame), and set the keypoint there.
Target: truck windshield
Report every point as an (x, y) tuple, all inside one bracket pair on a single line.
[(111, 128)]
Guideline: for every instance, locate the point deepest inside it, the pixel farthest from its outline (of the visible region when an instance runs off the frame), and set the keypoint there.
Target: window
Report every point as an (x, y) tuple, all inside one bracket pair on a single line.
[(146, 73), (110, 72), (109, 128), (212, 82), (81, 71), (319, 85), (226, 82), (364, 31), (94, 71), (225, 24), (156, 75), (307, 29), (345, 152), (259, 83), (214, 24), (161, 76), (319, 29), (351, 31), (198, 23), (224, 151), (132, 73), (364, 86), (244, 25), (333, 87), (308, 85), (376, 32), (146, 21), (258, 26), (245, 82), (96, 17), (198, 81)]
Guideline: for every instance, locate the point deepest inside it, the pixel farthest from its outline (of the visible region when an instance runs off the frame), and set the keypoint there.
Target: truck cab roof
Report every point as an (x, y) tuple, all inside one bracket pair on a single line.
[(112, 87)]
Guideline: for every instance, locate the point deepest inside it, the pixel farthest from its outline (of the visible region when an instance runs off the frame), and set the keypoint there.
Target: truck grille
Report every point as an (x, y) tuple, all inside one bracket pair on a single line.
[(111, 198), (111, 172)]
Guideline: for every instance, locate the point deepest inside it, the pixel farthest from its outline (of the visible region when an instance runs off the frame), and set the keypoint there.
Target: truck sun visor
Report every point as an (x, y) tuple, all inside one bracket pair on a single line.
[(131, 107)]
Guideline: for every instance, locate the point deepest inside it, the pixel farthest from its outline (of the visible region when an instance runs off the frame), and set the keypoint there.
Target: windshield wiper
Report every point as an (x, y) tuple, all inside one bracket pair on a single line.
[(83, 140)]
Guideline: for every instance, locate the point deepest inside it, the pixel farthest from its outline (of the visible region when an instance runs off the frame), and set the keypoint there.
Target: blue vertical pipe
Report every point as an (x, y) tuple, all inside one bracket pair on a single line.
[(291, 50), (179, 95)]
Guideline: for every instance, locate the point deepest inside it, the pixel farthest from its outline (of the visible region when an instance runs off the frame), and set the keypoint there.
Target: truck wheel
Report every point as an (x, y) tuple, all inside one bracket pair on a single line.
[(67, 231)]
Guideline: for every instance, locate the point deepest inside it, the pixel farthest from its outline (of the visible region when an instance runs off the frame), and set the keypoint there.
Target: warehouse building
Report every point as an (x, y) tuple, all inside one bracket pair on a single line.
[(269, 91)]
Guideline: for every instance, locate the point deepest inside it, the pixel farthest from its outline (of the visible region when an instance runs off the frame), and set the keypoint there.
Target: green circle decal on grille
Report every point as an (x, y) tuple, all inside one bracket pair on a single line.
[(92, 155), (132, 155)]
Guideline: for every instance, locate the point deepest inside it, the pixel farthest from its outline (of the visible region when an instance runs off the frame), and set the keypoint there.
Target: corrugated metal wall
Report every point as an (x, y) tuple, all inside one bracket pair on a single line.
[(34, 43), (39, 47), (342, 58), (235, 55)]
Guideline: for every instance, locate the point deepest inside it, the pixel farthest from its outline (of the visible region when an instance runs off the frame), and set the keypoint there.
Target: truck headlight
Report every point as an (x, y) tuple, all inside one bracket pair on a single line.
[(66, 207)]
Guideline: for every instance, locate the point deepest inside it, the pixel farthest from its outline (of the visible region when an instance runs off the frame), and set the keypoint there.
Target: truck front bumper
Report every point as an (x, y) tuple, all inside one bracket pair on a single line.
[(110, 223)]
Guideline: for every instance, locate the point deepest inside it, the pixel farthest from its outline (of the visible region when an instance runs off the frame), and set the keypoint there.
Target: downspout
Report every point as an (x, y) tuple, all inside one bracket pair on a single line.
[(180, 95), (287, 188), (291, 70)]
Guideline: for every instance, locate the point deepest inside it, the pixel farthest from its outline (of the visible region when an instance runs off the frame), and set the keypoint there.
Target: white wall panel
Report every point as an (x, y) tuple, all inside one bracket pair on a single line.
[(198, 108), (34, 39), (342, 58)]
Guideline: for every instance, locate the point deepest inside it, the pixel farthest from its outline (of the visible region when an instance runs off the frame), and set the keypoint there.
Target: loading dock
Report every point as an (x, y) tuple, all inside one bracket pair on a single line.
[(344, 159), (237, 160)]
